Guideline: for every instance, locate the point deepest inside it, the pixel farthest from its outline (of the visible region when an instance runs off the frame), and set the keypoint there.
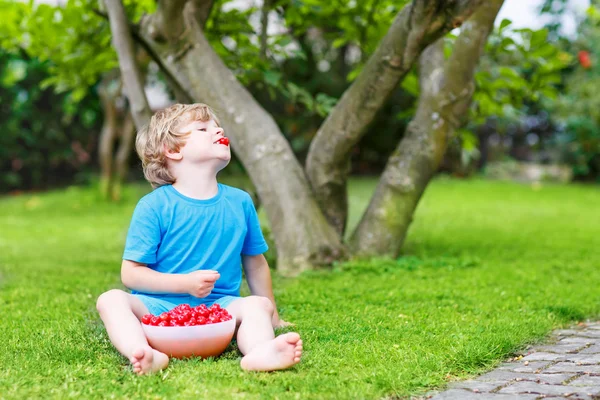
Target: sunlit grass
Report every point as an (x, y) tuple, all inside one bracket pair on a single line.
[(488, 267)]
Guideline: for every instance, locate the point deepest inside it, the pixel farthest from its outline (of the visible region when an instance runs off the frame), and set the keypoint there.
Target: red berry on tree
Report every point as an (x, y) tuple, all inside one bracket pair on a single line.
[(584, 59)]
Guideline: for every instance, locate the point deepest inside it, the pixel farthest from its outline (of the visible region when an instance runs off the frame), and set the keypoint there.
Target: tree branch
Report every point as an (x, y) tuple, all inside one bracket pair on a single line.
[(130, 73), (167, 23), (446, 90), (202, 9), (414, 28), (264, 25)]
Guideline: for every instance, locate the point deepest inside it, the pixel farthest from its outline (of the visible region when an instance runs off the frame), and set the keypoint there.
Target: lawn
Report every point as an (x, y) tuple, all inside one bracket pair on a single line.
[(488, 268)]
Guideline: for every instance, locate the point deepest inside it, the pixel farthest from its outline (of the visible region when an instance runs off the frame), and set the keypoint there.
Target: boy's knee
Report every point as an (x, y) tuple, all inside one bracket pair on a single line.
[(107, 299), (260, 302)]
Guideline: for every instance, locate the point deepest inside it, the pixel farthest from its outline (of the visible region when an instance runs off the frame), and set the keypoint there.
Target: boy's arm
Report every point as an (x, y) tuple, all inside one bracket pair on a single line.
[(138, 276), (258, 276)]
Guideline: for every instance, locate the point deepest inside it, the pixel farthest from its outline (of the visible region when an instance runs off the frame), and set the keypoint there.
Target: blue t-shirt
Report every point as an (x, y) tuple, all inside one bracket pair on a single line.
[(176, 234)]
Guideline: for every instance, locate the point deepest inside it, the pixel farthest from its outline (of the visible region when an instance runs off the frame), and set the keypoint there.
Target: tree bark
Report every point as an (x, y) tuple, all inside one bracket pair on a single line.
[(108, 135), (446, 90), (130, 73), (414, 28), (264, 25), (123, 153), (302, 235)]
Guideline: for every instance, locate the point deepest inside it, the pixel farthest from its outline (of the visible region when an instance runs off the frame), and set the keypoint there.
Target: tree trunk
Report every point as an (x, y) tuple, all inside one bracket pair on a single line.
[(302, 235), (446, 89), (414, 28), (123, 154), (130, 73), (108, 135)]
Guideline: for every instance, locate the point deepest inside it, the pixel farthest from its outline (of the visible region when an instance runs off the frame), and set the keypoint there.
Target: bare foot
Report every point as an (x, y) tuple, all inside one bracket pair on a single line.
[(146, 360), (282, 352)]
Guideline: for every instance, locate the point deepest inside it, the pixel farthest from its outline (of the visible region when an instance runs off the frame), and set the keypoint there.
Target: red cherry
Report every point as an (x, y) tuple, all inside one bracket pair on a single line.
[(192, 321), (154, 320), (584, 59), (163, 323), (164, 316), (146, 319), (201, 321), (224, 141)]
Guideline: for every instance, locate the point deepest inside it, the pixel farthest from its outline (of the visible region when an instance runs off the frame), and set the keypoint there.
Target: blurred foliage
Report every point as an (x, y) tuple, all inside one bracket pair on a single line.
[(518, 70), (313, 52), (44, 141), (579, 105)]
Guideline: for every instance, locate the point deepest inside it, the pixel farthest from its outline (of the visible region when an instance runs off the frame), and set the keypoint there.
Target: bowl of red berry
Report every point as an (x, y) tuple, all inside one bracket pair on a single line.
[(187, 331)]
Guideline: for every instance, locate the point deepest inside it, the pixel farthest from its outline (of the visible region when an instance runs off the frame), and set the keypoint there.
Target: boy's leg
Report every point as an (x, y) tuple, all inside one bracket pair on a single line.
[(256, 339), (121, 313)]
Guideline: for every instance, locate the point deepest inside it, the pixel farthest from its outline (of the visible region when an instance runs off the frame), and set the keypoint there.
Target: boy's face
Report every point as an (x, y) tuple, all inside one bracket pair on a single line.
[(201, 145)]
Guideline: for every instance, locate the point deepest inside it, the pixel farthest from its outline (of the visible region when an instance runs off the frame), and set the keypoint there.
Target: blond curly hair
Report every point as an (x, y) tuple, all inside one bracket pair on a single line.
[(164, 131)]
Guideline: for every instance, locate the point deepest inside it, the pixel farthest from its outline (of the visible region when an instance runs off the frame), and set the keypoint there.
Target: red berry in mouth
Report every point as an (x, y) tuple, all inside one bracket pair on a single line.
[(224, 141)]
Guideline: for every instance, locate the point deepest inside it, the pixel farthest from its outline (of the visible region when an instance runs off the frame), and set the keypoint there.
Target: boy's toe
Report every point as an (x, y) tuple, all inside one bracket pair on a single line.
[(292, 338), (137, 354)]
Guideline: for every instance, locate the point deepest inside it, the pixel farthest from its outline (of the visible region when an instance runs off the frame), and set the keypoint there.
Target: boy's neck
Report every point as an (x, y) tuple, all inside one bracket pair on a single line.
[(198, 183)]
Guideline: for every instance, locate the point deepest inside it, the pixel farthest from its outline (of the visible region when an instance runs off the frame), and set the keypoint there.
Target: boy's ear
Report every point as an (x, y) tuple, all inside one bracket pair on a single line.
[(173, 154)]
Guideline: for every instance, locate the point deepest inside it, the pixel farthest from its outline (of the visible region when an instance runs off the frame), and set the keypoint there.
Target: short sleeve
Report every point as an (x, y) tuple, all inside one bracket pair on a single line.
[(143, 237), (254, 243)]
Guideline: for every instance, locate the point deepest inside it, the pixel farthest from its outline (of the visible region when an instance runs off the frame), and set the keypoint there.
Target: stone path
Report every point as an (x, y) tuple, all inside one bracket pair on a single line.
[(567, 369)]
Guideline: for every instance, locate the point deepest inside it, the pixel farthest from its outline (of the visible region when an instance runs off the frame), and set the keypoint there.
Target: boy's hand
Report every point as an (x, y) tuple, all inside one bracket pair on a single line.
[(201, 283)]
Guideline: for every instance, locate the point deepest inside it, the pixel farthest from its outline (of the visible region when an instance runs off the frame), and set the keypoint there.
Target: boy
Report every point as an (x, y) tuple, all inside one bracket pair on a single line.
[(185, 243)]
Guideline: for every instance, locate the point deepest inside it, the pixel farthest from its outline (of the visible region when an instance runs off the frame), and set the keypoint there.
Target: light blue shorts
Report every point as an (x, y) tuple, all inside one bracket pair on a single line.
[(156, 306)]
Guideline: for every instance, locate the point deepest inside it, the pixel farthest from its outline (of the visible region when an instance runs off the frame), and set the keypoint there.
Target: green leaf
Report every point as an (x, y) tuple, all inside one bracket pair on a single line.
[(272, 78), (508, 72), (339, 42), (411, 83), (505, 23)]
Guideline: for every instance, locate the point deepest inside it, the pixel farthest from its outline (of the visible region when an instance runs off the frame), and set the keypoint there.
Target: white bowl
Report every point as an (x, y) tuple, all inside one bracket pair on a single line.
[(191, 341)]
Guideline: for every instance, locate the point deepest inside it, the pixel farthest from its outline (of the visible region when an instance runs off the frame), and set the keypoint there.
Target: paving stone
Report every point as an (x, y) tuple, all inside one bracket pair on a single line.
[(507, 376), (594, 349), (589, 333), (567, 367), (566, 332), (478, 386), (586, 380), (584, 359), (542, 356), (460, 394), (576, 339), (549, 390), (594, 326), (561, 348), (521, 367)]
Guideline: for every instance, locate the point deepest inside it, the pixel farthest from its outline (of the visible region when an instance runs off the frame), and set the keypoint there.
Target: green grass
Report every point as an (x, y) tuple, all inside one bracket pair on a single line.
[(488, 267)]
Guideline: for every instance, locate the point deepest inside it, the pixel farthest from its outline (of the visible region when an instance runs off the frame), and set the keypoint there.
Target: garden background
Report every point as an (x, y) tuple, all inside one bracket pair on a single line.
[(488, 243)]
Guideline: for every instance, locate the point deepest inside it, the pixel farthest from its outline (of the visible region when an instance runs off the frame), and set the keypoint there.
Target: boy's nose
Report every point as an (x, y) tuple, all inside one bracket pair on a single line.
[(220, 131)]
